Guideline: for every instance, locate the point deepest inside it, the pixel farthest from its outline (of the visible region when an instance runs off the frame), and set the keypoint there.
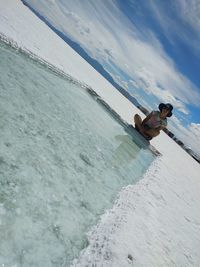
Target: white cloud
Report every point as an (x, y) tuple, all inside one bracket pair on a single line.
[(195, 129), (144, 79), (194, 135), (189, 135), (120, 81), (134, 84), (101, 28), (189, 11), (185, 21)]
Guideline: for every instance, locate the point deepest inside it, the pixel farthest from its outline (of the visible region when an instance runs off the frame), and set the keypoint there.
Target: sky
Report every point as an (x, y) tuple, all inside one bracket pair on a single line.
[(149, 47)]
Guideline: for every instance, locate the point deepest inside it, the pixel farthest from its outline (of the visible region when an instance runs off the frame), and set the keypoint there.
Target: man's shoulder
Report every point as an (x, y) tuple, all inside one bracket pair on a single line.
[(165, 122)]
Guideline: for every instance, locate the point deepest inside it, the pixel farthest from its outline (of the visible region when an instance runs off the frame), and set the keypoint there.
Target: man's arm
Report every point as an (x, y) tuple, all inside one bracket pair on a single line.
[(161, 127)]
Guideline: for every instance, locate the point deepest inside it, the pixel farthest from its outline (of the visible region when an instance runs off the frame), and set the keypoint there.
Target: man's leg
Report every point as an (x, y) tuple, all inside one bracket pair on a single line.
[(152, 132), (138, 121), (139, 127)]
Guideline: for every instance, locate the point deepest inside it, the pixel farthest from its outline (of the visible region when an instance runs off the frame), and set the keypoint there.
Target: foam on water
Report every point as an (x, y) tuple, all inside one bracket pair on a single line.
[(63, 159)]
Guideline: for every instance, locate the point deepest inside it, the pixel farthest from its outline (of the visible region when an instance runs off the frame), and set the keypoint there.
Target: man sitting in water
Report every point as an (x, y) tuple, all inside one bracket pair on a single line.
[(155, 122)]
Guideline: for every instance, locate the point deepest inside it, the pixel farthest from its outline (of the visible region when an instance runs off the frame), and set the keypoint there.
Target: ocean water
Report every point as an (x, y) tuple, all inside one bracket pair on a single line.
[(63, 160)]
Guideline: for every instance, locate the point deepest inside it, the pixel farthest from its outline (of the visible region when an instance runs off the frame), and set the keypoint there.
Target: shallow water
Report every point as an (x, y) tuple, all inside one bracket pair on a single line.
[(63, 159)]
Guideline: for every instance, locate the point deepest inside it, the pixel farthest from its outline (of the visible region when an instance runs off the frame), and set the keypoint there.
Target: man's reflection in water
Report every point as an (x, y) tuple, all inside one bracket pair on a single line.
[(125, 152)]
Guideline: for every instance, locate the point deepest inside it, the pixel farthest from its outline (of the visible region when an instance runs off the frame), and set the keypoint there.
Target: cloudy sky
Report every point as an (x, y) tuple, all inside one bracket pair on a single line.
[(150, 47)]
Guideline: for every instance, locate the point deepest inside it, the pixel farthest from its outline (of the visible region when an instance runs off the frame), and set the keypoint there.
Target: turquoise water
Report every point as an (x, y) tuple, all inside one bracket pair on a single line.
[(63, 160)]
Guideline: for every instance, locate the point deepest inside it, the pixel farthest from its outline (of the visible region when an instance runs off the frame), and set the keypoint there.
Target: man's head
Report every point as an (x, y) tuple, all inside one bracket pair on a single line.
[(166, 108)]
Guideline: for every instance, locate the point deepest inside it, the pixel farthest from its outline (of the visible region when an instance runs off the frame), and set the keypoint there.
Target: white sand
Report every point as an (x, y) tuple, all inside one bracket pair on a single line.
[(156, 221)]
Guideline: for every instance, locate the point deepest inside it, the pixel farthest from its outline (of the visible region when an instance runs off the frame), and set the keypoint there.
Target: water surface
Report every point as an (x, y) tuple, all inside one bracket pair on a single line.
[(63, 159)]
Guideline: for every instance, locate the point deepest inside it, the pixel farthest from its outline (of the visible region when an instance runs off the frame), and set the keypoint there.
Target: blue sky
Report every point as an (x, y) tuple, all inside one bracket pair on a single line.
[(177, 44), (141, 14), (150, 47)]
